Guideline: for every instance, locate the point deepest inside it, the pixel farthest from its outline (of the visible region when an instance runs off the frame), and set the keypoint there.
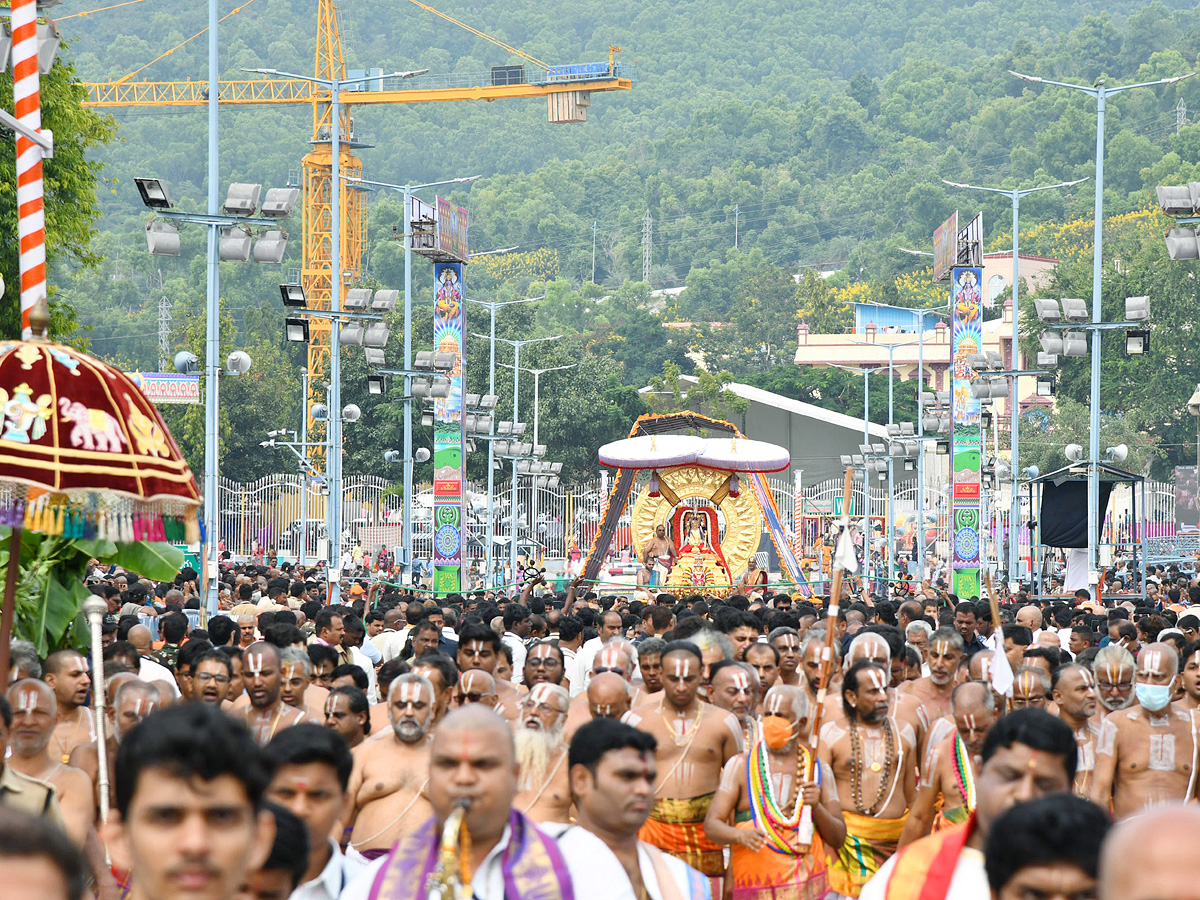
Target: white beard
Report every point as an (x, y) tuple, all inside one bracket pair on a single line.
[(535, 749)]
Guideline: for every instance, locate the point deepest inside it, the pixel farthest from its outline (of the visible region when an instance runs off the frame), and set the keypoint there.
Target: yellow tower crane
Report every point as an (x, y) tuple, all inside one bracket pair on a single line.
[(567, 90)]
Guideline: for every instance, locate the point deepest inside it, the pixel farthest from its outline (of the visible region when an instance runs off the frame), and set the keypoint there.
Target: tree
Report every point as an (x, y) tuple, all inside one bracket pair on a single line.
[(818, 308)]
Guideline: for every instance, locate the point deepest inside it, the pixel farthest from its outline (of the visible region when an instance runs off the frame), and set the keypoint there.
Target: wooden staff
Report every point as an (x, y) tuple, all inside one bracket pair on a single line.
[(804, 831)]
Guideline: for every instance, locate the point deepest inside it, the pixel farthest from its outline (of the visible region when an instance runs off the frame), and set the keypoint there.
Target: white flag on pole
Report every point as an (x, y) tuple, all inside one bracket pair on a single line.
[(1002, 673), (845, 557)]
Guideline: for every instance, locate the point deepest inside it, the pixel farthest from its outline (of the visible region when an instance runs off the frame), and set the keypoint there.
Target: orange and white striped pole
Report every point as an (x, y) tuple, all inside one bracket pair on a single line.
[(31, 215)]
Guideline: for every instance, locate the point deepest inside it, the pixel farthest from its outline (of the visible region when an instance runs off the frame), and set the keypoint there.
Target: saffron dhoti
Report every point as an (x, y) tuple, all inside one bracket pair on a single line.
[(948, 818), (869, 843), (767, 875), (677, 826)]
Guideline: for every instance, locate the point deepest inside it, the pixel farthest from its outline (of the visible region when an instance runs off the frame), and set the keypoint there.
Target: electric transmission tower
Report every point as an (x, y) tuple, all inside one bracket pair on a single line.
[(164, 332), (647, 231)]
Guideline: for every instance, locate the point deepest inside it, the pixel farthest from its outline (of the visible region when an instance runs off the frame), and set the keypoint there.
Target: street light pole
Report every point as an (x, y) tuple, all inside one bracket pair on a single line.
[(1014, 550), (212, 328), (1100, 93)]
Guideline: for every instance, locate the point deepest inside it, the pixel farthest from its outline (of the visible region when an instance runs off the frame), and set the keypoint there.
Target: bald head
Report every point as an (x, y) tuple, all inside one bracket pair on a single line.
[(970, 697), (140, 637), (1152, 856), (608, 696)]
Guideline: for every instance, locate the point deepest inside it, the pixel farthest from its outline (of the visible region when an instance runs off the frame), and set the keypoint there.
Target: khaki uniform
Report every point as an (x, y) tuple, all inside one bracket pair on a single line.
[(30, 796)]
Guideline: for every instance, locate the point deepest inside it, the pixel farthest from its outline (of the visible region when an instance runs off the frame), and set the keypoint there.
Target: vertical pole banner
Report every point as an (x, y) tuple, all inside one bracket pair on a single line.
[(449, 325), (966, 338)]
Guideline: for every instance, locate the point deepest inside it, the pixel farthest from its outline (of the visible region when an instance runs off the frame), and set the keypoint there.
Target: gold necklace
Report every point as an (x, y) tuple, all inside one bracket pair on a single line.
[(66, 754), (684, 734)]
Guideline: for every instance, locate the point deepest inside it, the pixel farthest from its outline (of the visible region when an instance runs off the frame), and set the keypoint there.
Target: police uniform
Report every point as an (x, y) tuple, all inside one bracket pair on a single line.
[(30, 796)]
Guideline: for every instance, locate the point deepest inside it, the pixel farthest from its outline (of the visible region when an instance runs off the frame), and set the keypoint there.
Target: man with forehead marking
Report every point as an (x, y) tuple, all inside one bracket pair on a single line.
[(475, 686), (933, 692), (391, 770), (66, 672), (267, 713), (543, 785), (479, 648), (1074, 692), (873, 760), (340, 715), (544, 664), (34, 707), (1031, 687), (785, 868), (953, 765), (764, 659), (1113, 668), (296, 688), (735, 690), (130, 701), (787, 642), (607, 697), (695, 740), (1145, 755), (613, 659)]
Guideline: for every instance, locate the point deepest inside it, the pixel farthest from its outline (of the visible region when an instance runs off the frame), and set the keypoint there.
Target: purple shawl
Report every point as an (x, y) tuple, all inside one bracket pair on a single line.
[(532, 864)]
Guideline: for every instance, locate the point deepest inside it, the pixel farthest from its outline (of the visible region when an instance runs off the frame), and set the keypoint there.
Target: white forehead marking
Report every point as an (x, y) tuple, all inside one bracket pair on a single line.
[(683, 666), (1150, 660), (774, 702), (27, 701), (741, 680), (289, 669), (254, 663), (606, 710), (985, 666), (410, 692), (142, 707), (970, 722), (1089, 680), (539, 693), (877, 679)]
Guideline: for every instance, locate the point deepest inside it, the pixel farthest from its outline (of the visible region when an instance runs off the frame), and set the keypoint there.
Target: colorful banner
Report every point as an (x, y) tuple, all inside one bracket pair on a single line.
[(449, 324), (168, 387), (452, 225), (966, 338), (1187, 500)]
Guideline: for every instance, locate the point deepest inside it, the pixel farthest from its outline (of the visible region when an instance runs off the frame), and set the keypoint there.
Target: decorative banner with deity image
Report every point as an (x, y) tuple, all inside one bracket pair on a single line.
[(966, 338), (448, 328)]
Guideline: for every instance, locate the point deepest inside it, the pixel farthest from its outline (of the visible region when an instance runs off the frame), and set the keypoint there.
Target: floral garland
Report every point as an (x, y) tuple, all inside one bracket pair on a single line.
[(764, 805), (962, 773)]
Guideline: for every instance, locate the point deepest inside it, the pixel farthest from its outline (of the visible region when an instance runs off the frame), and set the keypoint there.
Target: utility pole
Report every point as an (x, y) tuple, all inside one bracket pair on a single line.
[(595, 225), (735, 225), (164, 333), (647, 230)]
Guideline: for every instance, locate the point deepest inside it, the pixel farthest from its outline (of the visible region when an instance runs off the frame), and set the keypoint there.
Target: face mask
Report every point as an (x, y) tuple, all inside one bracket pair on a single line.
[(1153, 696), (776, 732)]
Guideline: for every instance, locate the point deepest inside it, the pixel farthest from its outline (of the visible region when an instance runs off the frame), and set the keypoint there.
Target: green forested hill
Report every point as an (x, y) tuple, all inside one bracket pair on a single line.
[(827, 125)]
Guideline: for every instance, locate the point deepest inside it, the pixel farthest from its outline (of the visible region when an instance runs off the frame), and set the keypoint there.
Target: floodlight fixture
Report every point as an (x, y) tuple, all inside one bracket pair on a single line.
[(1074, 343), (357, 299), (319, 412), (1075, 309), (1051, 342), (930, 422), (1178, 199), (373, 356), (1137, 309), (556, 468), (271, 246), (1046, 309), (377, 334), (162, 238), (471, 401), (977, 361), (1045, 386), (351, 334), (1047, 360), (943, 448), (907, 429), (504, 427), (893, 430), (847, 461), (375, 384), (426, 421), (384, 301), (440, 389), (296, 330), (391, 456), (293, 295), (242, 199), (864, 449), (280, 202), (519, 428), (488, 401), (1137, 341), (445, 359), (539, 450), (155, 194), (235, 244), (1182, 244), (857, 460), (424, 359), (995, 360)]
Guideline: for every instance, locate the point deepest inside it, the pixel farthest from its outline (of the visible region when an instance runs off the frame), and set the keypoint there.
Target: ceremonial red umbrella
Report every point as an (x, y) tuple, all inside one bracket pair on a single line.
[(83, 454)]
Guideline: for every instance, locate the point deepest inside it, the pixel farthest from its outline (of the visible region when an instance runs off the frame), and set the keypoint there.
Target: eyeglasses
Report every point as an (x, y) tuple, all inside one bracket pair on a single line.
[(209, 676), (542, 709), (543, 662), (1109, 686), (598, 670)]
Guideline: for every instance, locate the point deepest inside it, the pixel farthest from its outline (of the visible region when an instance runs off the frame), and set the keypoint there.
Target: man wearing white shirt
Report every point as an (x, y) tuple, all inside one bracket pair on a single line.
[(312, 768), (516, 630), (610, 627), (612, 772)]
